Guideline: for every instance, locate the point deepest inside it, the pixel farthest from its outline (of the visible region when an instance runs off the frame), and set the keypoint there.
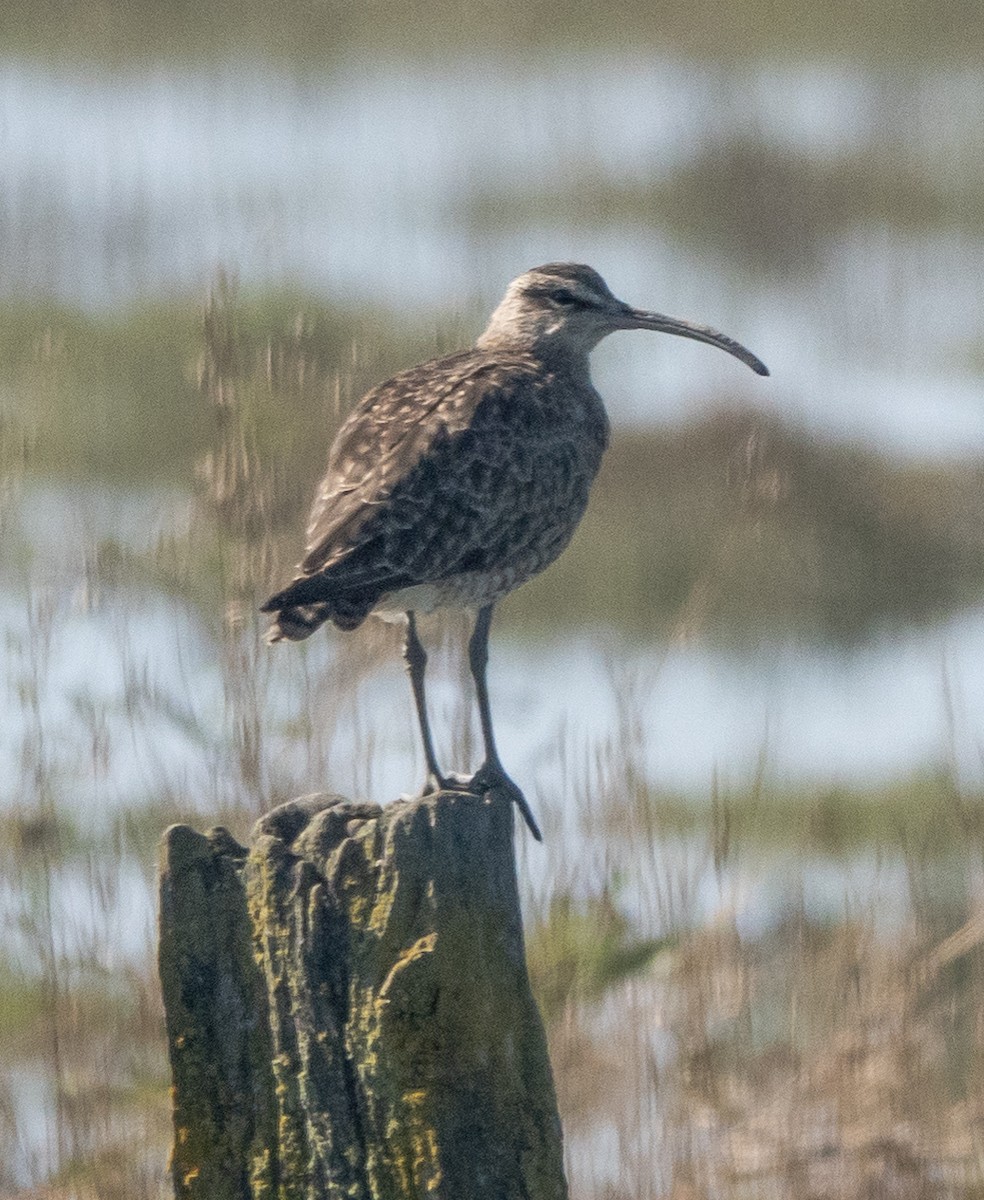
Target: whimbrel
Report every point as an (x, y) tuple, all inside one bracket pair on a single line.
[(457, 480)]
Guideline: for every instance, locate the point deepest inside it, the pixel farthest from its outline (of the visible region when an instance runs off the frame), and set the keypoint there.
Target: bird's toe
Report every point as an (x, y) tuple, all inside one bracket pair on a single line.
[(492, 778)]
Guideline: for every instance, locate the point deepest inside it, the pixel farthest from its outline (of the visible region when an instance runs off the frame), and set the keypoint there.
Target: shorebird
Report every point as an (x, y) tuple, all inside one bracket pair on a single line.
[(454, 482)]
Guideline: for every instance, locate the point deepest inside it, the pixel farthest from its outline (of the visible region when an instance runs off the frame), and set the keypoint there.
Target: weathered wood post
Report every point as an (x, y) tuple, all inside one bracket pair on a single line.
[(348, 1008)]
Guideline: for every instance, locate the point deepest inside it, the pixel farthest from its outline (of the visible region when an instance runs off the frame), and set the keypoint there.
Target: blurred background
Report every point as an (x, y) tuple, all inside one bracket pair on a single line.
[(747, 703)]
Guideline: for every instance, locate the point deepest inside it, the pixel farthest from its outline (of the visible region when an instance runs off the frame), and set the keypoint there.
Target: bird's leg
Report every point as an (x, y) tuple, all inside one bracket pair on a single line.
[(415, 656), (491, 775)]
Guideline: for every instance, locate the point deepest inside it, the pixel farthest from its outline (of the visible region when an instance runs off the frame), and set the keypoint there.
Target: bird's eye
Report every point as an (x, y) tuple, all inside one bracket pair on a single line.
[(563, 296)]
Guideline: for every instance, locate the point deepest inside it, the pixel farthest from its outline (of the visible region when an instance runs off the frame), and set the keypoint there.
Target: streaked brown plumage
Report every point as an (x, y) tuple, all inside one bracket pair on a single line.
[(456, 481)]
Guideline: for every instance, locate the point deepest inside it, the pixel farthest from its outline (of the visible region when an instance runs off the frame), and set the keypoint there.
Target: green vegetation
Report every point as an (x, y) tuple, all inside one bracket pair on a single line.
[(769, 209), (925, 813), (116, 398), (800, 1007), (739, 528), (583, 949), (120, 31), (733, 528), (816, 1050), (783, 206)]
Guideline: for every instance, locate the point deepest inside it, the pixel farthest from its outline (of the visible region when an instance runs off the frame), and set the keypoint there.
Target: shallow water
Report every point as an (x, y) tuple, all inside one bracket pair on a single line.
[(906, 699), (401, 186), (365, 186)]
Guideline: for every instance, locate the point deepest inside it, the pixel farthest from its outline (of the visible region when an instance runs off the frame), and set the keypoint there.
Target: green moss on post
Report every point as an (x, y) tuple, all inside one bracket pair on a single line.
[(402, 1053), (217, 1027)]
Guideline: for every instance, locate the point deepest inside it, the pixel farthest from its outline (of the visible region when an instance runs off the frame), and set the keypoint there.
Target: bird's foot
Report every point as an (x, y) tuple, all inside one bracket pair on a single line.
[(490, 777), (452, 782)]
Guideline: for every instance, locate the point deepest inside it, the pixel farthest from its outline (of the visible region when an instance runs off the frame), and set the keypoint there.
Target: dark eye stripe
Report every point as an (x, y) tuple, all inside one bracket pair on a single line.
[(560, 295)]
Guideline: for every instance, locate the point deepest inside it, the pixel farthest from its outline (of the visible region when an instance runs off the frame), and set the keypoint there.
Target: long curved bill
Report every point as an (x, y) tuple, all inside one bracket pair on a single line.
[(637, 318)]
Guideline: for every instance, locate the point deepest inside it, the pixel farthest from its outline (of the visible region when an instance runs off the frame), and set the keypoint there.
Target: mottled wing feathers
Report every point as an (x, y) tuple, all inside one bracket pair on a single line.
[(387, 433), (505, 492), (471, 464)]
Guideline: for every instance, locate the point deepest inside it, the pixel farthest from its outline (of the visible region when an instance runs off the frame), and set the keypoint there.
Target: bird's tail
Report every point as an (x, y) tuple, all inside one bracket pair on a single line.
[(302, 607), (297, 622)]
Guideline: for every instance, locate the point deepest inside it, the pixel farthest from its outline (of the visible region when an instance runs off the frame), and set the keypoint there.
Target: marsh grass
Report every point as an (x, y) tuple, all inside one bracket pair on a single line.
[(821, 1045), (732, 528), (783, 209), (738, 528), (115, 31), (709, 1038)]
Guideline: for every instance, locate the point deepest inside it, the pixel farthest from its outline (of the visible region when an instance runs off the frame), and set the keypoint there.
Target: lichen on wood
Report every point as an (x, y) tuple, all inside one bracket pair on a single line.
[(348, 1009)]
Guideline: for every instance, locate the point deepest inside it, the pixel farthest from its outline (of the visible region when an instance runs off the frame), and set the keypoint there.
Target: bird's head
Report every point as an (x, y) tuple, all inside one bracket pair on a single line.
[(567, 308)]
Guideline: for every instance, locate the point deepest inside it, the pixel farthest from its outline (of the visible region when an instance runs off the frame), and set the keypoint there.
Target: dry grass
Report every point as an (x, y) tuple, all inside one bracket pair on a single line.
[(707, 1042), (815, 1057)]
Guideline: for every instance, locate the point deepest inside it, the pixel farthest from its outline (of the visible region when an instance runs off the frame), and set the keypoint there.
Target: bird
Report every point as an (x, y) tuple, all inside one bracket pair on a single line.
[(457, 480)]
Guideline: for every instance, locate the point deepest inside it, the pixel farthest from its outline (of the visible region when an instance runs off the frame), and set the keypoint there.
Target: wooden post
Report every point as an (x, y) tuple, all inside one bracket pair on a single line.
[(348, 1008)]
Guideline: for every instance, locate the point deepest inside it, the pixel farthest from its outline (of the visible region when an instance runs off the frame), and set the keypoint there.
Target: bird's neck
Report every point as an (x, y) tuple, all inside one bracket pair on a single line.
[(556, 354)]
